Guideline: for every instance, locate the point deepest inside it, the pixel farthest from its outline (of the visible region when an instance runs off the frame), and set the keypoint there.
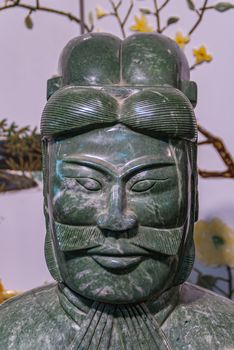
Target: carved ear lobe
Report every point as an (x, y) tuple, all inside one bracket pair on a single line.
[(53, 85), (189, 88)]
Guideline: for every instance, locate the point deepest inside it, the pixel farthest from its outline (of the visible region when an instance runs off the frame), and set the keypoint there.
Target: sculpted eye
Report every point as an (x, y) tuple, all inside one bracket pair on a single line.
[(143, 185), (89, 184)]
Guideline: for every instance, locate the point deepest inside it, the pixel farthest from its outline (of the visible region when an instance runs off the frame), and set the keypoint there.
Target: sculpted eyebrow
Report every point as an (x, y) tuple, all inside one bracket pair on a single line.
[(91, 162), (145, 166), (126, 171)]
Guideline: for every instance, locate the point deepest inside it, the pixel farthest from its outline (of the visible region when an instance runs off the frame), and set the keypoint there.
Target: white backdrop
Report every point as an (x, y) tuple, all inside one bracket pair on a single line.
[(29, 57)]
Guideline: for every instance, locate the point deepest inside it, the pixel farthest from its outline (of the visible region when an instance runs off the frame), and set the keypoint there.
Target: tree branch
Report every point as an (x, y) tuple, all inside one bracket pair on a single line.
[(163, 5), (82, 24), (200, 17), (222, 151), (157, 15), (230, 282), (37, 7), (117, 16)]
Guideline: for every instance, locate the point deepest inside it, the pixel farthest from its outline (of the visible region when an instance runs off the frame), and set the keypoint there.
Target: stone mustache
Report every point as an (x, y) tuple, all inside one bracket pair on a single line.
[(119, 143)]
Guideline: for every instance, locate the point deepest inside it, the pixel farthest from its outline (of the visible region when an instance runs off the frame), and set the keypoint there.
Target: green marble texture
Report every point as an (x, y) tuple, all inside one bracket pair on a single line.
[(119, 142)]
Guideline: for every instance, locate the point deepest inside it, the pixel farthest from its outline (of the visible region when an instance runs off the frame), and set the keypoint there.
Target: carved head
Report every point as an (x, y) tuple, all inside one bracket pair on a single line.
[(119, 149)]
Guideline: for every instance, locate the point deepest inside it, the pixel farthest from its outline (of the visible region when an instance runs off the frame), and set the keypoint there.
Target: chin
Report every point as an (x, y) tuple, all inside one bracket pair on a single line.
[(146, 281)]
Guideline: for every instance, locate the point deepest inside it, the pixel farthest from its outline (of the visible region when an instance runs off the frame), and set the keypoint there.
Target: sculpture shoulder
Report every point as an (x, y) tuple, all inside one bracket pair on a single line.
[(201, 320), (33, 320)]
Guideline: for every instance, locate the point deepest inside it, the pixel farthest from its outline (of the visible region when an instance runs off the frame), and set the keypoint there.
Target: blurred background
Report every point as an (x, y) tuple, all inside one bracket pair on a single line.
[(29, 56)]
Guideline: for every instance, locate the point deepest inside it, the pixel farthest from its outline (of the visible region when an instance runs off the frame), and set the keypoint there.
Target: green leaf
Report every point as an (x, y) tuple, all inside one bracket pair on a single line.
[(172, 20), (223, 6), (191, 5), (145, 11), (28, 22), (206, 281)]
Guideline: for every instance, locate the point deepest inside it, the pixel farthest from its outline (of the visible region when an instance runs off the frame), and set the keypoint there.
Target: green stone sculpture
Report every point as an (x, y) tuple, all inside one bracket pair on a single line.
[(120, 187)]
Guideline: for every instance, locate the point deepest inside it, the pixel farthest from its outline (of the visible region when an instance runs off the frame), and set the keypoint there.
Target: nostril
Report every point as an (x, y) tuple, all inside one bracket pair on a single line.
[(115, 222), (102, 220), (131, 220)]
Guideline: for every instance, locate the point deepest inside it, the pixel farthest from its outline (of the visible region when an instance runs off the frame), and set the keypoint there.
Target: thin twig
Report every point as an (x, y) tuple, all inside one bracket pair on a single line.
[(193, 66), (222, 151), (222, 279), (230, 282), (128, 14), (210, 8), (119, 4), (163, 5), (35, 8), (157, 15), (197, 271), (220, 290), (82, 28), (117, 16), (200, 17), (218, 174)]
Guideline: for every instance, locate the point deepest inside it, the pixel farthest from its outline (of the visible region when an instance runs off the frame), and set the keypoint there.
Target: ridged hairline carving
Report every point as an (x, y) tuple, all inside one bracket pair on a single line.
[(155, 111)]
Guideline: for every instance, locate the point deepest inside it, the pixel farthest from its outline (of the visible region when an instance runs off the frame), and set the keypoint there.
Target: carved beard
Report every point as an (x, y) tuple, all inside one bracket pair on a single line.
[(77, 238), (117, 327)]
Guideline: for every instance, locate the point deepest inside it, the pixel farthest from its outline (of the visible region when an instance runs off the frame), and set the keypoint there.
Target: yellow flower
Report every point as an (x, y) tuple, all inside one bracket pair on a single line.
[(181, 40), (100, 12), (141, 24), (214, 242), (201, 55), (6, 294)]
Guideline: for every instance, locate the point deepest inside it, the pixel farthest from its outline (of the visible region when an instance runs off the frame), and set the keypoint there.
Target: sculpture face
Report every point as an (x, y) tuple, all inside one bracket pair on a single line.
[(119, 204)]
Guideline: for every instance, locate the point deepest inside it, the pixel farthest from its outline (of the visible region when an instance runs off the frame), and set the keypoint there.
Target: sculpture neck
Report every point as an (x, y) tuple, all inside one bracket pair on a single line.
[(77, 307), (113, 326)]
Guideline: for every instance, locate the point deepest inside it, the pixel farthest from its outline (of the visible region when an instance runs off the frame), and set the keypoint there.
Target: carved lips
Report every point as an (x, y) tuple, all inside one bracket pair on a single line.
[(118, 256), (118, 263)]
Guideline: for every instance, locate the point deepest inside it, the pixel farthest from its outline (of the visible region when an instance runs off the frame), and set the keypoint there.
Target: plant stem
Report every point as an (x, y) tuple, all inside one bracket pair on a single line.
[(220, 290), (82, 28), (230, 282), (193, 66), (157, 15), (222, 151), (200, 17), (128, 14), (117, 16), (163, 5), (197, 271), (222, 279), (35, 8)]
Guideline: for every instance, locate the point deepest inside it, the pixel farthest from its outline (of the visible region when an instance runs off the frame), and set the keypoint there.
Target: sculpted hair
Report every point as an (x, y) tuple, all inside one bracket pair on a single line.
[(156, 111)]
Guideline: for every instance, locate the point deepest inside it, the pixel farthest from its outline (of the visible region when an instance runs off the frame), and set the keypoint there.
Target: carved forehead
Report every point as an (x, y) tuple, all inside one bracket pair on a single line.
[(119, 145)]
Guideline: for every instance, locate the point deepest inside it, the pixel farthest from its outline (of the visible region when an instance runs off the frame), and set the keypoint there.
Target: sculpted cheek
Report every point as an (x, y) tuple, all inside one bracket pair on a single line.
[(74, 208)]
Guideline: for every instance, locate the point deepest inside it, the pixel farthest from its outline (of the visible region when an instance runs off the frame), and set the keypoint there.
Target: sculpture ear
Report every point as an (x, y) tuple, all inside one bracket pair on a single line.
[(189, 88), (53, 85)]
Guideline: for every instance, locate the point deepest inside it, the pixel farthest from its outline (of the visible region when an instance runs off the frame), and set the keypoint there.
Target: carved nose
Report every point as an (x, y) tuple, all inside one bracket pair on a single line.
[(116, 217)]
